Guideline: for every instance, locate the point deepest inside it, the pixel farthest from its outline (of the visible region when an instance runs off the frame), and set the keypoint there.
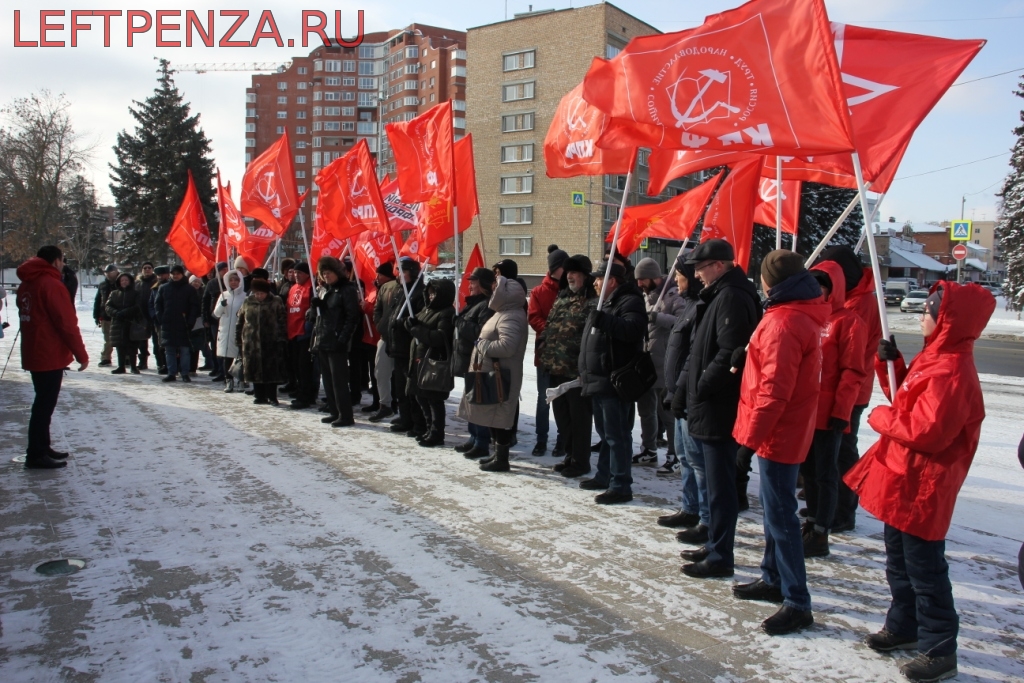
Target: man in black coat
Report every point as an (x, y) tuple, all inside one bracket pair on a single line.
[(144, 286), (410, 419), (211, 292), (611, 338), (177, 309), (727, 314)]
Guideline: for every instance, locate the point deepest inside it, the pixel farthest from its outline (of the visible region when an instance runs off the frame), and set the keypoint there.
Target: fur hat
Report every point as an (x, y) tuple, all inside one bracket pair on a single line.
[(332, 264), (647, 269), (163, 270), (178, 268), (779, 265), (260, 285), (222, 265), (261, 273), (286, 265), (578, 264)]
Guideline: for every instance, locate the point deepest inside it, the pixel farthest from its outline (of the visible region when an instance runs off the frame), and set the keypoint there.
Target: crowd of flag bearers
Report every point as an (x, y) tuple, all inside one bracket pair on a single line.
[(772, 370)]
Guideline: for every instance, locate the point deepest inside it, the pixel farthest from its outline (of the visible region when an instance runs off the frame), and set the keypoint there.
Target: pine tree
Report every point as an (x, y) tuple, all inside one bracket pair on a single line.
[(82, 231), (1011, 219), (151, 174)]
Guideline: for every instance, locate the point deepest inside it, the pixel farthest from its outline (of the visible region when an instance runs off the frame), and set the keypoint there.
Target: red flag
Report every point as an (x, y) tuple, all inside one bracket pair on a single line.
[(760, 77), (465, 183), (402, 217), (665, 165), (570, 147), (415, 248), (324, 243), (349, 200), (189, 235), (232, 225), (371, 249), (674, 219), (254, 246), (731, 214), (764, 211), (269, 193), (475, 260), (423, 154)]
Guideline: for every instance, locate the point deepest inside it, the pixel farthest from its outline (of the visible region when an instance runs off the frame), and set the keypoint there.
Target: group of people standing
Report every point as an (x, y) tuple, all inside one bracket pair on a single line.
[(785, 379)]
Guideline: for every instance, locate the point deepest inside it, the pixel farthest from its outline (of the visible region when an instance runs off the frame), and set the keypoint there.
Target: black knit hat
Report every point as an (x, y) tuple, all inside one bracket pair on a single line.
[(779, 265), (508, 268), (848, 261), (409, 265), (556, 260), (302, 268), (484, 277), (178, 268), (386, 268)]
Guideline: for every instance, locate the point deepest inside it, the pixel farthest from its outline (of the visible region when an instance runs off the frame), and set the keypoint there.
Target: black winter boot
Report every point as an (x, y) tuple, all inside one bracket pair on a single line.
[(500, 461), (927, 669), (477, 452)]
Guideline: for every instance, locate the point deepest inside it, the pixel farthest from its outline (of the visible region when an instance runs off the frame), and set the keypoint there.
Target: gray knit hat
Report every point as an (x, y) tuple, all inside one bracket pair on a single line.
[(647, 269)]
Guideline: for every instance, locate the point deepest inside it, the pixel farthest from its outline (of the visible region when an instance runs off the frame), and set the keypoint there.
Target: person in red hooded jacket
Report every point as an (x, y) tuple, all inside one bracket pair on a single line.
[(843, 370), (911, 477), (50, 338), (777, 411)]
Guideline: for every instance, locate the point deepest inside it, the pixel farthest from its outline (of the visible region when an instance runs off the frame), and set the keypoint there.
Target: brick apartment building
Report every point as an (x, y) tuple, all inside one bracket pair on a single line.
[(518, 72), (335, 96)]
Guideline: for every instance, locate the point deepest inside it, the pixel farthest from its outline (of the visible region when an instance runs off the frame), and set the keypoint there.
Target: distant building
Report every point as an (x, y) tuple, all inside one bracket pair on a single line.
[(331, 98), (518, 72)]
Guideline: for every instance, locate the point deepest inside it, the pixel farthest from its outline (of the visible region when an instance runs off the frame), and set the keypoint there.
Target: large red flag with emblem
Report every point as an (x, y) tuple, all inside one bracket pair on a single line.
[(570, 147), (349, 200), (475, 260), (731, 214), (402, 217), (324, 243), (190, 235), (269, 193), (232, 225), (665, 165), (765, 209), (254, 246), (674, 219), (371, 250), (758, 78), (423, 154), (465, 183)]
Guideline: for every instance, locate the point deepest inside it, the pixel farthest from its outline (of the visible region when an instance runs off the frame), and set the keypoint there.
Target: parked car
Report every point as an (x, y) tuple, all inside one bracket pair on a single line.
[(914, 301), (895, 292)]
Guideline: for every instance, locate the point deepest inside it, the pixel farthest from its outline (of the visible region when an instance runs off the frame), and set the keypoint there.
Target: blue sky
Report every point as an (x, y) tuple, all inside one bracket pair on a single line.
[(971, 123)]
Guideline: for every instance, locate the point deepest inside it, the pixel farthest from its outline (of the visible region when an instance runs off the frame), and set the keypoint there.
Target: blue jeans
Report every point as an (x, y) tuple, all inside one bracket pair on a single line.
[(174, 354), (922, 596), (614, 461), (783, 563), (691, 465), (481, 435), (542, 420), (723, 506)]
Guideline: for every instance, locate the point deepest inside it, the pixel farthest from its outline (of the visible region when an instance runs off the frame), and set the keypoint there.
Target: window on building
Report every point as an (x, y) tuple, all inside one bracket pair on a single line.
[(282, 114), (615, 182), (282, 99), (348, 111), (250, 128), (642, 156), (366, 52), (516, 122), (349, 96), (280, 130), (300, 100), (411, 101), (522, 184), (348, 66), (318, 111), (301, 85), (366, 68), (332, 125), (300, 158), (431, 97), (300, 130), (347, 126), (517, 91), (458, 122), (332, 66), (300, 174), (300, 114), (302, 71), (250, 142), (248, 157), (519, 60), (282, 85), (250, 112), (459, 105), (457, 72), (318, 65), (332, 96), (516, 215), (317, 142), (610, 212), (301, 188), (459, 54), (316, 156), (513, 153), (515, 246), (367, 83), (301, 144), (348, 81), (250, 97), (641, 187), (332, 80), (611, 50), (332, 111), (431, 81), (366, 128), (412, 52), (433, 63), (412, 68), (317, 96), (318, 125)]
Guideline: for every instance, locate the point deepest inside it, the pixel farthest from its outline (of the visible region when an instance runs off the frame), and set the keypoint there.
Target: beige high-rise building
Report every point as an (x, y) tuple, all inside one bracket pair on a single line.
[(517, 72)]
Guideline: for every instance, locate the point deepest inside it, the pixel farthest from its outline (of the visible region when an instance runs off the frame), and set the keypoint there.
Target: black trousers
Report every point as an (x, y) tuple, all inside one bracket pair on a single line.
[(47, 385), (433, 413), (265, 390), (334, 366), (302, 365), (846, 506), (574, 417), (408, 409), (502, 437), (720, 470), (126, 354)]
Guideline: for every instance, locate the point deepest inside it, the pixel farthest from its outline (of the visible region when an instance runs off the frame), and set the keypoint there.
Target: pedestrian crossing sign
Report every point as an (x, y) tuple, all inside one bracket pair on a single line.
[(577, 199), (960, 230)]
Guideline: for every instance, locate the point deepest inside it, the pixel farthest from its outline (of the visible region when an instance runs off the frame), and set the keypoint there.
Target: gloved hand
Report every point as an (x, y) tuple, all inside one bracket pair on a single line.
[(679, 404), (887, 350), (838, 424), (598, 319), (653, 317), (410, 323), (744, 455), (738, 360), (223, 302), (420, 333)]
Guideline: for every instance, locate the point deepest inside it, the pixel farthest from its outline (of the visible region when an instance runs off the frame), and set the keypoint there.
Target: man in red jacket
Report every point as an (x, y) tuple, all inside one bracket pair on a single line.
[(911, 477), (50, 338), (843, 370), (778, 405), (542, 299)]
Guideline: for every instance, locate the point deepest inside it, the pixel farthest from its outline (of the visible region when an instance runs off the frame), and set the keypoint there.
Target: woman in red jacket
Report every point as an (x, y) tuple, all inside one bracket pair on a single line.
[(778, 406), (910, 478)]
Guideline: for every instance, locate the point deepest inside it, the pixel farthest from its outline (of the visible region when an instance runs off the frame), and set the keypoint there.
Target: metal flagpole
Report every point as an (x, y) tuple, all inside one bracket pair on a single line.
[(860, 242), (615, 240), (795, 235), (778, 204), (458, 272), (480, 227), (305, 242), (401, 278), (359, 283), (875, 270), (408, 301), (834, 229)]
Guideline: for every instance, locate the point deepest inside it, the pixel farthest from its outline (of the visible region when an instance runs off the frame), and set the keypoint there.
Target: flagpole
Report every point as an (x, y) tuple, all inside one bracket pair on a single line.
[(875, 270), (795, 235), (615, 240), (408, 302), (778, 204), (305, 242), (834, 229), (458, 273), (359, 283), (401, 278), (483, 249)]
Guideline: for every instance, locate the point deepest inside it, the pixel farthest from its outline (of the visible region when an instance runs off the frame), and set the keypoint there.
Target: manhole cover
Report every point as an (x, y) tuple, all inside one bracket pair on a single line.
[(18, 458), (60, 567)]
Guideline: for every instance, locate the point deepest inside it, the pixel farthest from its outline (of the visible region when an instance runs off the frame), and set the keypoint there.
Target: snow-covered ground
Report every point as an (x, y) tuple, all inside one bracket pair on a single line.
[(232, 542)]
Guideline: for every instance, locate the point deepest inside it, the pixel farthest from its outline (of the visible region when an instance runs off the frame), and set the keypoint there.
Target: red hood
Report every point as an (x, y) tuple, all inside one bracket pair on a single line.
[(35, 268), (963, 314), (835, 273)]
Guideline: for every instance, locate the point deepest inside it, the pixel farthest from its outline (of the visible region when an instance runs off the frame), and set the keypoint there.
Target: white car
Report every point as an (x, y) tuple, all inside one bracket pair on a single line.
[(914, 301)]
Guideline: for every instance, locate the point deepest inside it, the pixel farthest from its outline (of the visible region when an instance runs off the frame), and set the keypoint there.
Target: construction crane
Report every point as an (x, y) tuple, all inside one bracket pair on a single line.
[(202, 68)]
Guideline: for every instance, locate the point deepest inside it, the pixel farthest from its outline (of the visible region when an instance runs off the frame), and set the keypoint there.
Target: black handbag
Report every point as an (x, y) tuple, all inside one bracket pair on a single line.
[(138, 330), (488, 388), (636, 377), (436, 375)]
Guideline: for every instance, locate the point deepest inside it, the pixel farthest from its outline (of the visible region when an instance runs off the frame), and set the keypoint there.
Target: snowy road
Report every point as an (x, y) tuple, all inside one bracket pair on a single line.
[(232, 542)]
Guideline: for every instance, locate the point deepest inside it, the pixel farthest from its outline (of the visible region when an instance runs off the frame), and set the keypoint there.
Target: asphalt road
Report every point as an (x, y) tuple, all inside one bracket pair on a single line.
[(990, 356)]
